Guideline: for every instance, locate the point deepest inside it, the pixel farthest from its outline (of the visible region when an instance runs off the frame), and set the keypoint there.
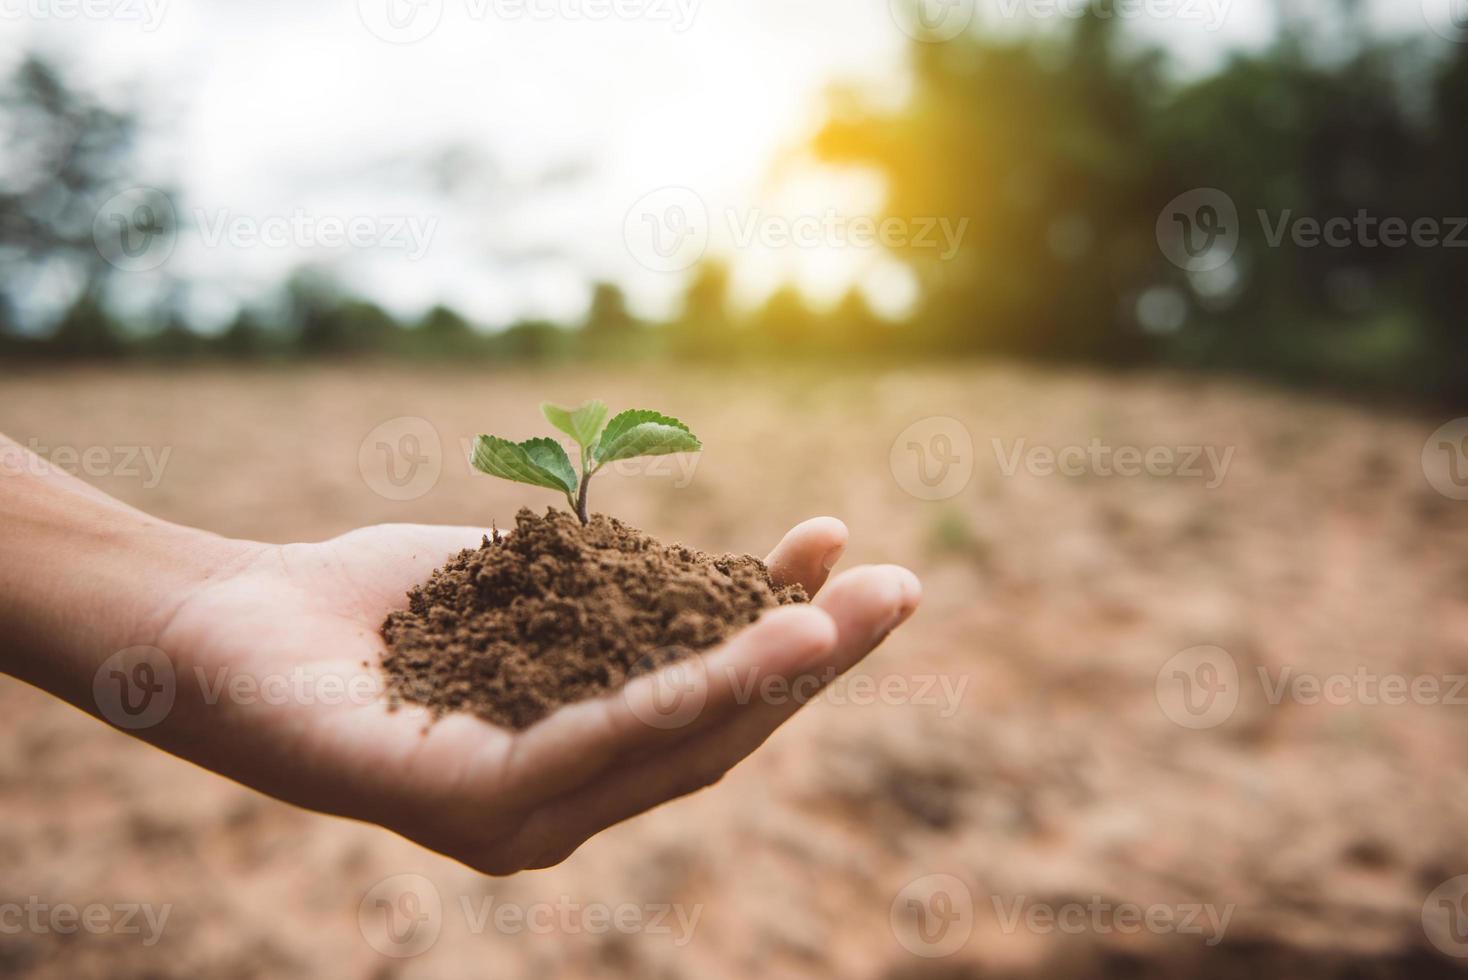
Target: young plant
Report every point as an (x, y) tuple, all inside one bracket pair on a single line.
[(543, 463)]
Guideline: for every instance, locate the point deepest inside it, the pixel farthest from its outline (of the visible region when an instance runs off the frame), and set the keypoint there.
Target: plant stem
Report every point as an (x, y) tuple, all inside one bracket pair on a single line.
[(586, 474), (581, 503)]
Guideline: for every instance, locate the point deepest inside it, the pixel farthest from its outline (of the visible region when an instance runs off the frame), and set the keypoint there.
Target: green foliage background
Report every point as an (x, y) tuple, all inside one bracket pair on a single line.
[(1060, 150)]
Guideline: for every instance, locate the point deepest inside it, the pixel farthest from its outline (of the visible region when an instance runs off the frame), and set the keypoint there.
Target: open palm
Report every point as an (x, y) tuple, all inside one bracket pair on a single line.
[(277, 687)]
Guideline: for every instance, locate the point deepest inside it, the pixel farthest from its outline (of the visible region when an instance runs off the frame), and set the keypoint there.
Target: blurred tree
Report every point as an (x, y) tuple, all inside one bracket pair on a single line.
[(10, 338), (784, 326), (326, 324), (853, 328), (610, 329), (442, 332), (1029, 173), (1288, 140), (1062, 151), (704, 326), (534, 340), (175, 342), (1444, 276), (64, 152), (244, 338), (1035, 158), (608, 316), (86, 332)]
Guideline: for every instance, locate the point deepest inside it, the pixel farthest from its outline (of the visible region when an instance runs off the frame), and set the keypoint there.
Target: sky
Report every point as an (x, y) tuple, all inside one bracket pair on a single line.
[(502, 155)]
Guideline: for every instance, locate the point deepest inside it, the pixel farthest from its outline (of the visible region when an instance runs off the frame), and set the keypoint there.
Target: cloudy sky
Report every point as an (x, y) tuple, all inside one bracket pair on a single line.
[(500, 155)]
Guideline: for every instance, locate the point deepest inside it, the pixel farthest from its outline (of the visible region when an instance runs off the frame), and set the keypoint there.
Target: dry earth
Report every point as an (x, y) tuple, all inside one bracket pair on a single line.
[(1034, 756)]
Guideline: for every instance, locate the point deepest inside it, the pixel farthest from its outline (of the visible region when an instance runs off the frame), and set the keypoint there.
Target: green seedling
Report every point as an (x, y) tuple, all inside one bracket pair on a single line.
[(543, 463)]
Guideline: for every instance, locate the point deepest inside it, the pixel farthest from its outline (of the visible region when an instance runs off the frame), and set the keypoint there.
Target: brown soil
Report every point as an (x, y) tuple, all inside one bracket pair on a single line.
[(557, 612), (1055, 774)]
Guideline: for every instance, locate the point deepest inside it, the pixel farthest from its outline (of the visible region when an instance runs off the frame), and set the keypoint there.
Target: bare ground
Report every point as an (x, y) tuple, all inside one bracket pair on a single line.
[(1050, 775)]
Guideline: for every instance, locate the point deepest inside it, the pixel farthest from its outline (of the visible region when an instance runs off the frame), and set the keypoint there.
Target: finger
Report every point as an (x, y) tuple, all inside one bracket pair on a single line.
[(581, 741), (866, 604), (808, 552), (699, 692)]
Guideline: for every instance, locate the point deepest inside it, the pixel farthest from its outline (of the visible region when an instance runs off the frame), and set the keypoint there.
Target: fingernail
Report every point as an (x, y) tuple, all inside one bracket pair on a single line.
[(833, 556), (912, 591), (909, 593)]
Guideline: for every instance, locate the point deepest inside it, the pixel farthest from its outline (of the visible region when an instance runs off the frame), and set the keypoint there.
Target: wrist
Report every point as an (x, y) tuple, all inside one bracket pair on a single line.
[(146, 569), (83, 576)]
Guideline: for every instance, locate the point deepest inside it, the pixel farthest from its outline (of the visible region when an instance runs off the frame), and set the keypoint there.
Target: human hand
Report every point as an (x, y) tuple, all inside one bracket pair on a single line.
[(302, 621)]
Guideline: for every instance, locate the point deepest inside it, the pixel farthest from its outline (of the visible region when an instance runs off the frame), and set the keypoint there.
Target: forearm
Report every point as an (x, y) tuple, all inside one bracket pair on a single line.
[(82, 575)]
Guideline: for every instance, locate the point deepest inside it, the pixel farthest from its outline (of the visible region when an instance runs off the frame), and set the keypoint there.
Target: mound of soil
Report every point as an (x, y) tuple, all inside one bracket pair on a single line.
[(557, 612)]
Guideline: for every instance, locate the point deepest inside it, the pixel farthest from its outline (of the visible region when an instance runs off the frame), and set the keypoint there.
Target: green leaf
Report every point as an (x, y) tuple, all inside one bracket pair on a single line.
[(549, 456), (581, 423), (538, 462), (644, 433)]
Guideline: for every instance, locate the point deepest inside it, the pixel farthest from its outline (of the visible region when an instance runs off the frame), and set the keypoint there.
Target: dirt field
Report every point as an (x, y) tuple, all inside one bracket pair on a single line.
[(1045, 733)]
